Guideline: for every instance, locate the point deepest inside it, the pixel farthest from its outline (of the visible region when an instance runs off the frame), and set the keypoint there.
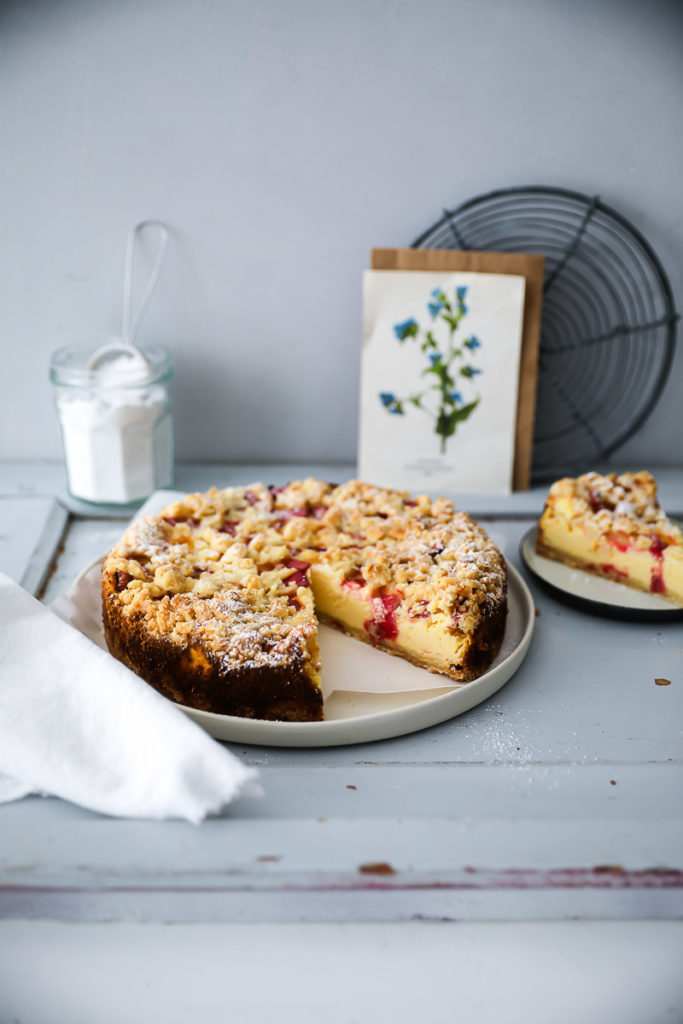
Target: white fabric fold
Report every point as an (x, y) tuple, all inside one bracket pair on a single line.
[(77, 724)]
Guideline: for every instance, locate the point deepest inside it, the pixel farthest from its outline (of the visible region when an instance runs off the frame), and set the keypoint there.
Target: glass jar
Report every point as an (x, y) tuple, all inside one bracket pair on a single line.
[(114, 411)]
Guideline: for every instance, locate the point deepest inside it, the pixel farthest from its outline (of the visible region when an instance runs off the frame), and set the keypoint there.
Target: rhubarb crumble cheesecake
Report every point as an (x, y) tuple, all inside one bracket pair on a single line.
[(216, 601), (613, 526)]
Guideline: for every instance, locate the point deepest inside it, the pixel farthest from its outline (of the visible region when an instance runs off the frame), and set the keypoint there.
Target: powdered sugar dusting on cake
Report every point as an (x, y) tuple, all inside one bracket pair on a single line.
[(621, 502), (230, 569), (624, 508), (243, 636), (147, 538)]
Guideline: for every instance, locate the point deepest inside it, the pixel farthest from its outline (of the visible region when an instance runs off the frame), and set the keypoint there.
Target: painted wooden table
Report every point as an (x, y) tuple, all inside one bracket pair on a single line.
[(524, 859)]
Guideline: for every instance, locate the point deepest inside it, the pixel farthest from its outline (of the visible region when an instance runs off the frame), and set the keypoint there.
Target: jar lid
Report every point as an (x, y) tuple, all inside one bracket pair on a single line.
[(122, 367)]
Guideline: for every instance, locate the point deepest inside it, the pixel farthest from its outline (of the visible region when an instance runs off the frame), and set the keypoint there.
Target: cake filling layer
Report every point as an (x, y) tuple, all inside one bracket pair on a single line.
[(382, 620)]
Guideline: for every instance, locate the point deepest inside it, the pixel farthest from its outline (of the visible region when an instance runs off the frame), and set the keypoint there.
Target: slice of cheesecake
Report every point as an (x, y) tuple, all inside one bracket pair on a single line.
[(613, 526), (188, 609), (438, 598), (406, 574)]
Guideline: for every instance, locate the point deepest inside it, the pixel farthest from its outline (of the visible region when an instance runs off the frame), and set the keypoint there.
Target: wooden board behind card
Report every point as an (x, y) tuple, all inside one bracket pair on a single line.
[(527, 265)]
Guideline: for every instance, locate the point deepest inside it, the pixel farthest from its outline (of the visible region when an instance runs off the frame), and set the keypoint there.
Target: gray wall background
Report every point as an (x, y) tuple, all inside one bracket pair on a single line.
[(281, 141)]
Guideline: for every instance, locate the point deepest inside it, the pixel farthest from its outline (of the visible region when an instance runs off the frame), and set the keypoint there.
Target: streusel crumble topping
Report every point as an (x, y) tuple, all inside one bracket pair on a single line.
[(621, 504), (254, 547)]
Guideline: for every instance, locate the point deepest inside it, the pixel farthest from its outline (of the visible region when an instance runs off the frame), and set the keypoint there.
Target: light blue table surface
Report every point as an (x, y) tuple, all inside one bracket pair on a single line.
[(557, 805)]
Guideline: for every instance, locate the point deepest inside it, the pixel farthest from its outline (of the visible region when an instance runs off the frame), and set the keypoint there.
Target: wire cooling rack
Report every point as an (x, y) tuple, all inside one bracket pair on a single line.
[(608, 325)]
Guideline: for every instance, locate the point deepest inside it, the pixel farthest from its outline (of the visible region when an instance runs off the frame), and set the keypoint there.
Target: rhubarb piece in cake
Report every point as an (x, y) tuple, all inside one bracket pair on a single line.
[(612, 526)]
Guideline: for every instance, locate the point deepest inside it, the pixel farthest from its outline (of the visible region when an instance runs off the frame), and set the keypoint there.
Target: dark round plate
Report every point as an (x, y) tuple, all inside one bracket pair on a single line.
[(608, 325), (595, 594)]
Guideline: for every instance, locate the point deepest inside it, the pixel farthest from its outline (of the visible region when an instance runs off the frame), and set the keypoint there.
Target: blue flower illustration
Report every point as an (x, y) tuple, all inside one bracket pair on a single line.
[(408, 329), (437, 304), (445, 355), (391, 403)]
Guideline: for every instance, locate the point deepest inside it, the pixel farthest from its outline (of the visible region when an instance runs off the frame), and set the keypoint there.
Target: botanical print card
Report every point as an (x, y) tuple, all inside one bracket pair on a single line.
[(439, 379)]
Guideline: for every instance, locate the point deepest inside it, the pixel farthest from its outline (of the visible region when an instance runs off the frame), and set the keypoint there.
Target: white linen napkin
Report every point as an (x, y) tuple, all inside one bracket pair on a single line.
[(77, 724)]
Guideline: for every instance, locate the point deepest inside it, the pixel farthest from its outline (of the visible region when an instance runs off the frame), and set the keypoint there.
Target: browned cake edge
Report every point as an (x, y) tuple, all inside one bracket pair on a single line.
[(191, 676)]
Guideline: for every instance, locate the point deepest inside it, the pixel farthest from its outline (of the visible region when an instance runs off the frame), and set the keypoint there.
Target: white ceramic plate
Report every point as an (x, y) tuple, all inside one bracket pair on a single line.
[(350, 717), (362, 717), (595, 593)]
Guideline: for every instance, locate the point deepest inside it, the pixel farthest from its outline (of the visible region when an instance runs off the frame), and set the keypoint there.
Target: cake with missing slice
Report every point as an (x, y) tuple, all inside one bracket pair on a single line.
[(613, 526), (216, 601)]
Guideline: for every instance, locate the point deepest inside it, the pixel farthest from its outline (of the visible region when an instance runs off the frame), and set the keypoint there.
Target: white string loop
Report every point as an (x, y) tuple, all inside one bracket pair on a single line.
[(130, 329), (126, 343)]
